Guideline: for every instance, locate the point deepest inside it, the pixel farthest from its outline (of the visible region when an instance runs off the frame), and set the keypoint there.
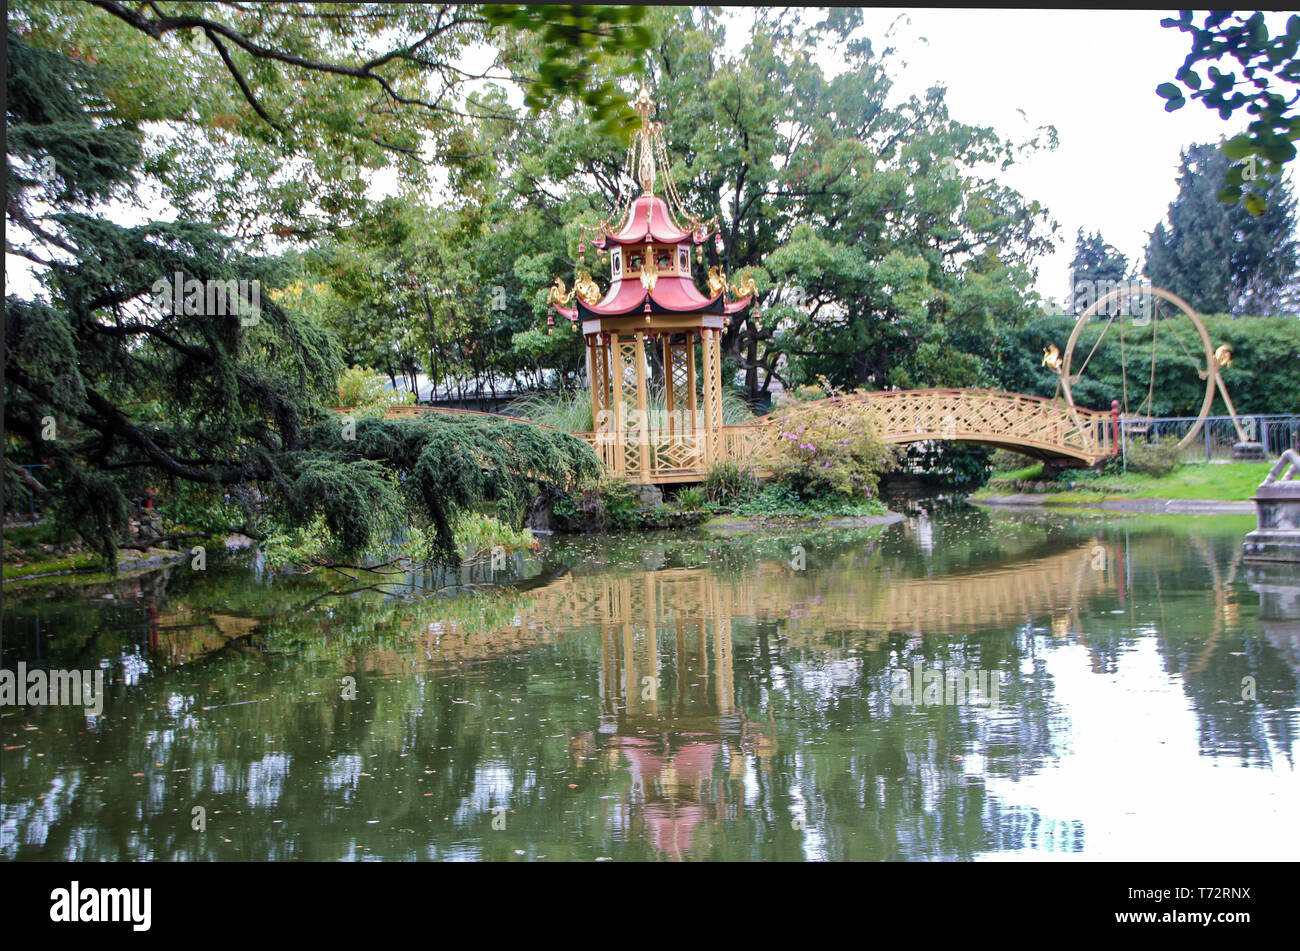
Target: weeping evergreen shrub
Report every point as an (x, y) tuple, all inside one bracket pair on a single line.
[(428, 470)]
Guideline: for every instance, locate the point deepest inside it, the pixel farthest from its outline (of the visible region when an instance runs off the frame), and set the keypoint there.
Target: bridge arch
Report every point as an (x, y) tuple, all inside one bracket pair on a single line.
[(1051, 430)]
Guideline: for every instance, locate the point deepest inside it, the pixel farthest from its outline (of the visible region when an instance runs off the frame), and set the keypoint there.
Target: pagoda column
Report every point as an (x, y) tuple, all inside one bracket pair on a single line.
[(712, 395), (642, 410), (670, 396), (691, 381)]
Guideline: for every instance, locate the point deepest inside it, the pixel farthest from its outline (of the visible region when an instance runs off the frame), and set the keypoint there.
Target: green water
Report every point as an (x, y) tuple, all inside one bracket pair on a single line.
[(678, 697)]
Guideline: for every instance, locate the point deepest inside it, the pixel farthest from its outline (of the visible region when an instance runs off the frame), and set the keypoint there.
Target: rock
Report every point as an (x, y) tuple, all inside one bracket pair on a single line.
[(541, 515), (648, 496)]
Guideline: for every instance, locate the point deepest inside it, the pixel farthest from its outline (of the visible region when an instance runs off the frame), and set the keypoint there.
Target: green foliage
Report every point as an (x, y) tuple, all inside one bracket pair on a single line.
[(691, 497), (1005, 462), (240, 94), (598, 502), (818, 457), (1221, 258), (1269, 74), (303, 545), (730, 483), (780, 500), (1264, 376), (367, 394), (189, 506), (1094, 261), (1156, 457), (568, 411), (573, 40), (142, 393), (445, 465), (477, 534), (951, 465)]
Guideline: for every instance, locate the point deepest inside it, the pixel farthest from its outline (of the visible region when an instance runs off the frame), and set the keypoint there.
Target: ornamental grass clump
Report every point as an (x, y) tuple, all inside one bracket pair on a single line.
[(819, 457)]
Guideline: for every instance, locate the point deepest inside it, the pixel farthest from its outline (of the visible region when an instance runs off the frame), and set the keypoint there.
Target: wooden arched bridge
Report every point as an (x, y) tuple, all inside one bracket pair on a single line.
[(668, 450)]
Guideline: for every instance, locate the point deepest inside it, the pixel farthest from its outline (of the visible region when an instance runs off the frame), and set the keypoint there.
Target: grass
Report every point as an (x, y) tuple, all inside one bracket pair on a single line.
[(778, 503), (570, 411), (1222, 481)]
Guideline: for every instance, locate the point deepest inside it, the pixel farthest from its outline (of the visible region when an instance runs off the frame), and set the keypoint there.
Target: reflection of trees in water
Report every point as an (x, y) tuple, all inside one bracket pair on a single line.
[(771, 702)]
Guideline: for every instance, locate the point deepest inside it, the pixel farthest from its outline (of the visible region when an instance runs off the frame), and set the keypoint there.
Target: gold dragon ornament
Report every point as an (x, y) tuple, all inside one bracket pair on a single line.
[(746, 287), (586, 289), (649, 273), (717, 283), (559, 296)]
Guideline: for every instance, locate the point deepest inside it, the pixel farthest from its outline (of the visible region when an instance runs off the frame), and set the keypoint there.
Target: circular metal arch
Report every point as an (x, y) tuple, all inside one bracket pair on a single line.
[(1158, 292)]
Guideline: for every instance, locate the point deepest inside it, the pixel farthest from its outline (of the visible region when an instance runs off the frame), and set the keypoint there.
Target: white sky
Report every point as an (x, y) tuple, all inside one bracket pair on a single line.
[(1091, 73)]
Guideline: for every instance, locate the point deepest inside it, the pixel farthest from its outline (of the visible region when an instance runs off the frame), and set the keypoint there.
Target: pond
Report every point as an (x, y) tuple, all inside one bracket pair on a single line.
[(964, 684)]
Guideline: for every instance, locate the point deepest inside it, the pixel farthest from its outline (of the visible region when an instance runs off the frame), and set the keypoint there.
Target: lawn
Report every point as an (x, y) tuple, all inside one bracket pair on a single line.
[(1226, 481)]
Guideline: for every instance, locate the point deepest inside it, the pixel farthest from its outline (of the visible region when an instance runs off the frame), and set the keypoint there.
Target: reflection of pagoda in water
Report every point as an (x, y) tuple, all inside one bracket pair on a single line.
[(668, 711)]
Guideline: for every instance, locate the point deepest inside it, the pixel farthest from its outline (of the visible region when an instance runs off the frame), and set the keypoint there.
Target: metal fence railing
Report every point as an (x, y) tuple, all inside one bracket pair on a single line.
[(1275, 432)]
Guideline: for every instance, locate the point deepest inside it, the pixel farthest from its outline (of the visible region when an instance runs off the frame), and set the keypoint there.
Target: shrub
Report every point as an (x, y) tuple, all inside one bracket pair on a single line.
[(818, 456), (806, 393), (692, 497), (367, 393), (478, 533), (1004, 460), (1157, 457), (730, 483), (599, 502), (567, 410)]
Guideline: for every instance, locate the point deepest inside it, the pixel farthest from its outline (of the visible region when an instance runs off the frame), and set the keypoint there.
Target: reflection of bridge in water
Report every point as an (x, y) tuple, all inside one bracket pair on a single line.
[(670, 737), (667, 681), (879, 603)]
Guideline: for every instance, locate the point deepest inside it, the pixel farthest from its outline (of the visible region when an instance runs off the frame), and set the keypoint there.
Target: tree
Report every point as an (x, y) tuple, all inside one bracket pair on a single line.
[(266, 116), (1098, 264), (883, 256), (155, 357), (1219, 257), (1268, 65)]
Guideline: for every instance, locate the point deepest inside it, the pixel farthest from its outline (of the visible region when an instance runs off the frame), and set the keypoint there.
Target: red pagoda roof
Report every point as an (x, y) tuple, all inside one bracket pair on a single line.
[(672, 294), (649, 220)]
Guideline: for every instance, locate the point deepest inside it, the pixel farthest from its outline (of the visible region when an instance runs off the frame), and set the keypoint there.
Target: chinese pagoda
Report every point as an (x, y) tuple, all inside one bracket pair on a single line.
[(653, 313)]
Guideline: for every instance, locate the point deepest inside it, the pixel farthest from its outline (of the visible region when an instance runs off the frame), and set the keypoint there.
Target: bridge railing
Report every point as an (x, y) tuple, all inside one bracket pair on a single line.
[(1050, 428)]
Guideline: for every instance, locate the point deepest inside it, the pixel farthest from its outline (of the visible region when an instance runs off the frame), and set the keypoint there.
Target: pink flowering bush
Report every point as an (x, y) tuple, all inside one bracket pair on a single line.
[(820, 457)]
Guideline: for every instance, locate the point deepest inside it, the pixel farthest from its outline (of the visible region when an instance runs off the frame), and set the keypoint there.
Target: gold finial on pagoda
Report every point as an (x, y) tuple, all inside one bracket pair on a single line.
[(645, 170), (644, 106)]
